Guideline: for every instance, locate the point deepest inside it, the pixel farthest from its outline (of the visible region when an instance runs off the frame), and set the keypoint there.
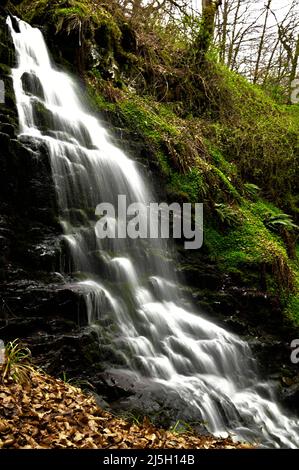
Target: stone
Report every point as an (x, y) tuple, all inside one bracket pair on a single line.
[(32, 85), (290, 397)]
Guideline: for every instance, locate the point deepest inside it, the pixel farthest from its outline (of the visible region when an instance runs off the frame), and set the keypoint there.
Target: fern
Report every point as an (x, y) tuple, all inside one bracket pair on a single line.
[(251, 190), (227, 215), (280, 221)]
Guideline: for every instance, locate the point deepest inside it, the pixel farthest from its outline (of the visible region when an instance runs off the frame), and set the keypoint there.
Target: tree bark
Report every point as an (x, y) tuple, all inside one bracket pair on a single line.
[(294, 64), (261, 44), (223, 37), (206, 32)]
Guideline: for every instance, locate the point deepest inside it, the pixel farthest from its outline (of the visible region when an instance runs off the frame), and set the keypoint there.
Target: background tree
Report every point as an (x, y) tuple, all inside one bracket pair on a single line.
[(257, 38), (206, 31)]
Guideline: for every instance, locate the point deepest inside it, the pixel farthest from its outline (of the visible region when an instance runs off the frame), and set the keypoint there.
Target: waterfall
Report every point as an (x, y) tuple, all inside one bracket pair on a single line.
[(131, 292)]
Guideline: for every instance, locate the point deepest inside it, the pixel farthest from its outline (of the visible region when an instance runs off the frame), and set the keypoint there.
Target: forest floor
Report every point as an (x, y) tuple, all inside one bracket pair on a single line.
[(45, 412)]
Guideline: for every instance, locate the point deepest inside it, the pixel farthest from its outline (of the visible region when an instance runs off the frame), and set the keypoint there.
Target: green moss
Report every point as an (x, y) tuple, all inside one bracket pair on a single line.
[(191, 185), (292, 309), (84, 9), (33, 9), (255, 134), (261, 207), (77, 10), (97, 100), (5, 69), (250, 243), (230, 169), (147, 120), (226, 184), (174, 150)]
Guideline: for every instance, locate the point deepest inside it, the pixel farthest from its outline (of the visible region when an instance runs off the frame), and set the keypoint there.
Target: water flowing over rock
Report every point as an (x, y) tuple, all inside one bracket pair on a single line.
[(148, 334)]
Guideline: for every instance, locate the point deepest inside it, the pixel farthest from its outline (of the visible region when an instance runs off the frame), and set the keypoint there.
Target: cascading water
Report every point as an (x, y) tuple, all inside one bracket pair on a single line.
[(129, 288)]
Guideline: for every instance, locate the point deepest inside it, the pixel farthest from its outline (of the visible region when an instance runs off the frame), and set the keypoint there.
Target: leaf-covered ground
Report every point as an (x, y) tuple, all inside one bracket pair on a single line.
[(49, 413)]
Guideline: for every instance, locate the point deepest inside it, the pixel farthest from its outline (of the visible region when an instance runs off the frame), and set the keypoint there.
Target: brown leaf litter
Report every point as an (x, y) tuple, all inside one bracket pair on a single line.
[(49, 413)]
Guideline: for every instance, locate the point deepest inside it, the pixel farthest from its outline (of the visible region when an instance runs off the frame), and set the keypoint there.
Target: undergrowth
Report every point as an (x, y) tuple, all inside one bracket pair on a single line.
[(17, 362)]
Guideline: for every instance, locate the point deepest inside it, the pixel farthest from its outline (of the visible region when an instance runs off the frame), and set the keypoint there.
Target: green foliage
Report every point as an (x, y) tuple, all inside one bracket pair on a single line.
[(83, 17), (77, 382), (226, 185), (252, 190), (292, 308), (228, 215), (131, 417), (146, 119), (277, 92), (58, 9), (273, 218), (278, 221), (182, 427), (168, 136), (250, 244), (191, 185), (256, 134), (227, 168), (33, 9), (18, 362)]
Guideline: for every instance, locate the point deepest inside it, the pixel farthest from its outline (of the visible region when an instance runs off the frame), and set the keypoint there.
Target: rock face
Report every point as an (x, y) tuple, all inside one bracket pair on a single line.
[(37, 304), (32, 85)]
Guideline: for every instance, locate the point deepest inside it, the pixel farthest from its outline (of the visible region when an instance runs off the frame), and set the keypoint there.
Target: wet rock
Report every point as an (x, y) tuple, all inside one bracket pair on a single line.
[(93, 58), (61, 347), (9, 130), (4, 247), (32, 85), (129, 38), (4, 139), (127, 393), (101, 402), (8, 108), (290, 397), (15, 23), (237, 326), (42, 116), (32, 298), (194, 275)]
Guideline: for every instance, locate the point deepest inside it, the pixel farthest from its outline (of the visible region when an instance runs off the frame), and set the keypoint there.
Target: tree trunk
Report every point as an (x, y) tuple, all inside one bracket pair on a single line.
[(206, 32), (223, 38), (233, 36), (294, 66), (261, 44)]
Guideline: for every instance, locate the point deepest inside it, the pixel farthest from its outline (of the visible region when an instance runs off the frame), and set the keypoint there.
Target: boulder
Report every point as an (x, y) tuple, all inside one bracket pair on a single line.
[(32, 85)]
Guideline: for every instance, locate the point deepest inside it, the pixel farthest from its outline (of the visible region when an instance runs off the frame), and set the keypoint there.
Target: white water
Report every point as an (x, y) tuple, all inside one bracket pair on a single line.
[(132, 294)]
